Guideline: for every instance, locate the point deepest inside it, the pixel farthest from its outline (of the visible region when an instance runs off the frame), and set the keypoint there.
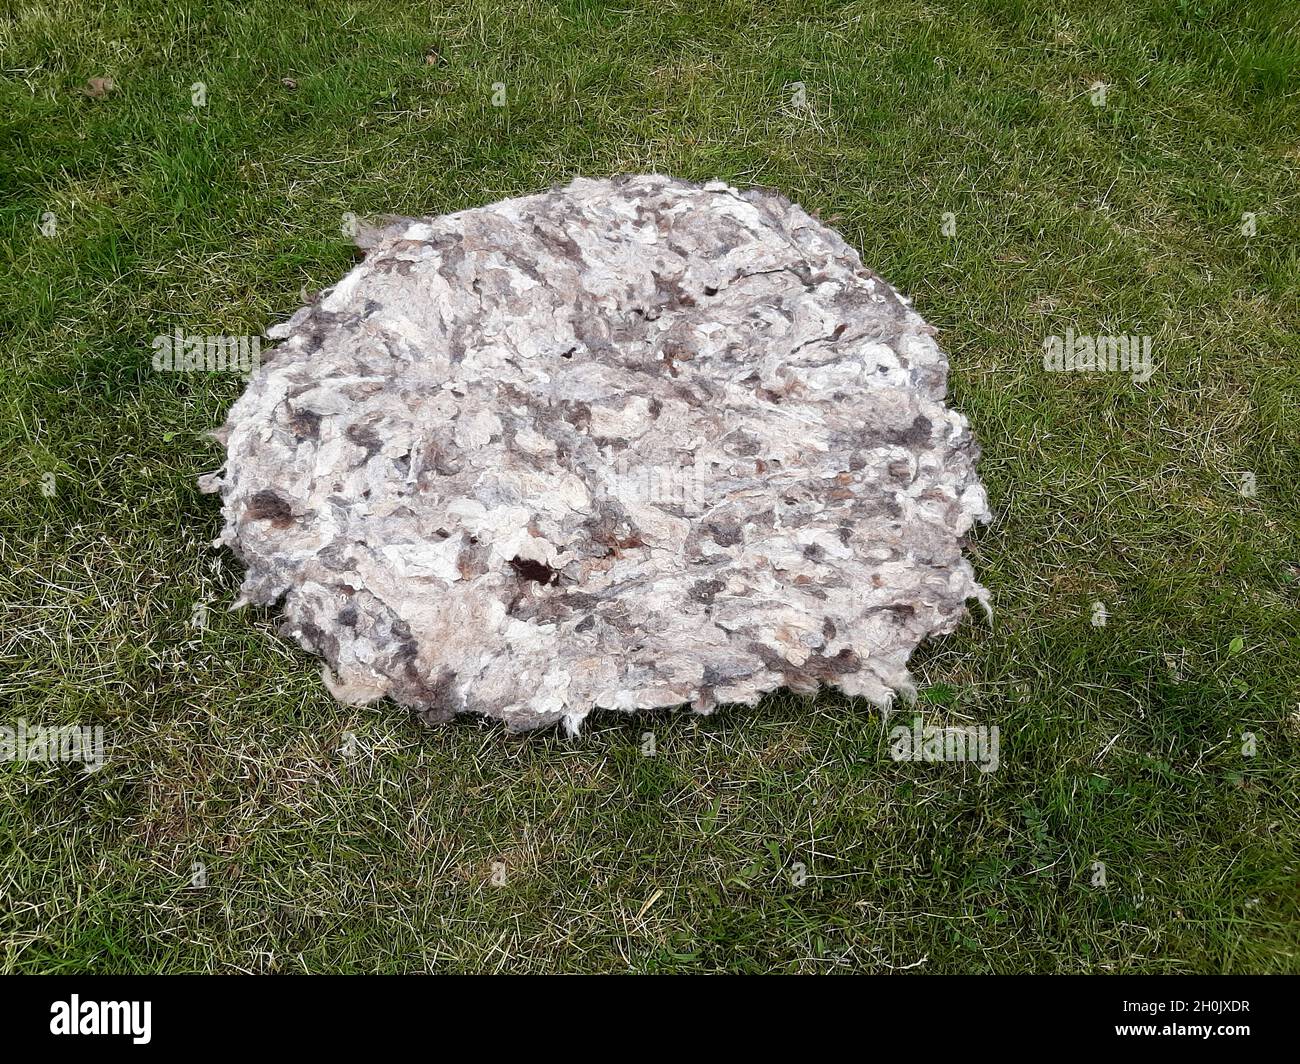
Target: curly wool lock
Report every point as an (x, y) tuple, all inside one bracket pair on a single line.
[(626, 444)]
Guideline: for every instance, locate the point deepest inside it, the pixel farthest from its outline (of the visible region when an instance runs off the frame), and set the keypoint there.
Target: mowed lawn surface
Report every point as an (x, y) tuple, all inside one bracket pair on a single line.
[(1112, 169)]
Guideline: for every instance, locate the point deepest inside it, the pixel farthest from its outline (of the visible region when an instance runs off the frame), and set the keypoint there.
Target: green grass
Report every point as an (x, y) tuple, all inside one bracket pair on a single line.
[(1120, 744)]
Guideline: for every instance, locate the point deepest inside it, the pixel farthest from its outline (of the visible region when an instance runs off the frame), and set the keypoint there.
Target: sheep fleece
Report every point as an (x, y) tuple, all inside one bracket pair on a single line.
[(626, 444)]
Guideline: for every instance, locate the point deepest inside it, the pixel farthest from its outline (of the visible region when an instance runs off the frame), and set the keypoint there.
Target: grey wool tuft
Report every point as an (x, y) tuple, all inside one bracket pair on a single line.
[(626, 444)]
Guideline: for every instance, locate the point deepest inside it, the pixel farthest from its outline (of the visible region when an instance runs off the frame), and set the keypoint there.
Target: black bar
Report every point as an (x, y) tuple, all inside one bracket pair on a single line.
[(215, 1013)]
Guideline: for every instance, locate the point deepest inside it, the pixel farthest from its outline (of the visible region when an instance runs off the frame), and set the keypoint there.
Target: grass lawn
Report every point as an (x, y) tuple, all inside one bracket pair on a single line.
[(1019, 168)]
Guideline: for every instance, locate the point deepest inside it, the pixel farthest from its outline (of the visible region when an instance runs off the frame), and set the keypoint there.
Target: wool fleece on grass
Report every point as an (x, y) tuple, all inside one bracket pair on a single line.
[(626, 444)]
